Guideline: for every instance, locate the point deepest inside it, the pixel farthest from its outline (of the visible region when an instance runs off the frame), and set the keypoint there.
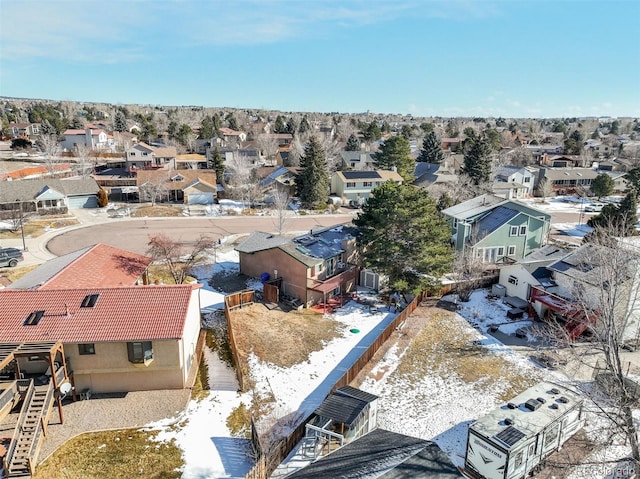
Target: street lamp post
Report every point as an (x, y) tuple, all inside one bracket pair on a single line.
[(24, 244)]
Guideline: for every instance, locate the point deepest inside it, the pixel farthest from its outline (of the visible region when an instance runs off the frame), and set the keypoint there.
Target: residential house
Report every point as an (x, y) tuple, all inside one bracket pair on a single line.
[(450, 144), (47, 196), (597, 147), (497, 230), (142, 156), (115, 339), (281, 178), (93, 139), (191, 161), (385, 455), (283, 139), (513, 182), (433, 174), (518, 278), (193, 187), (620, 183), (566, 181), (314, 267), (356, 186), (97, 266), (358, 160), (578, 280), (229, 137), (546, 149), (25, 130), (566, 161)]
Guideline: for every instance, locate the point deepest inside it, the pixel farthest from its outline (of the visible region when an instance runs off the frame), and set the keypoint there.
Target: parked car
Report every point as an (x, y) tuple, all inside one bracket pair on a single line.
[(594, 207), (10, 257)]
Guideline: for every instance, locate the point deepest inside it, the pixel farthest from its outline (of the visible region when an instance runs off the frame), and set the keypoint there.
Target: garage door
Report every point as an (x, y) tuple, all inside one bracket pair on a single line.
[(83, 201), (201, 199)]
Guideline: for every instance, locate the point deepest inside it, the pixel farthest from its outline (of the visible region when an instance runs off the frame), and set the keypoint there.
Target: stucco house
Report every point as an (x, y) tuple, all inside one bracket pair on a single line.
[(142, 156), (115, 339), (314, 267), (47, 196), (520, 179), (496, 229), (358, 185), (97, 266)]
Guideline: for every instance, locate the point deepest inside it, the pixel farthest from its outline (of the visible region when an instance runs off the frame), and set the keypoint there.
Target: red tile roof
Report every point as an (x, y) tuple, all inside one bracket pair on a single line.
[(134, 313), (101, 266)]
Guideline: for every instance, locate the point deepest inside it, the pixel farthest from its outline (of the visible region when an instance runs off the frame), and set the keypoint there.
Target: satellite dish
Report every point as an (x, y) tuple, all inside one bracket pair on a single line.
[(65, 388)]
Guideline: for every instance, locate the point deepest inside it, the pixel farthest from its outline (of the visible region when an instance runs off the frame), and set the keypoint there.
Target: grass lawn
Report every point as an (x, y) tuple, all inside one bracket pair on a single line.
[(36, 227), (117, 454), (156, 211)]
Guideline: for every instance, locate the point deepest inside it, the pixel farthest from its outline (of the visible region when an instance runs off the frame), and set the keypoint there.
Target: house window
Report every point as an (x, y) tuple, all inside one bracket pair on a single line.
[(351, 185), (367, 184), (511, 250), (512, 280), (526, 179), (132, 153), (140, 352), (353, 165), (513, 231), (501, 251), (144, 153), (86, 349), (523, 230), (517, 462)]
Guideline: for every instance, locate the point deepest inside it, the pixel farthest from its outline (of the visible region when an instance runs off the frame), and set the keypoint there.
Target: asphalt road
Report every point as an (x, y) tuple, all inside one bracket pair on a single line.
[(133, 235)]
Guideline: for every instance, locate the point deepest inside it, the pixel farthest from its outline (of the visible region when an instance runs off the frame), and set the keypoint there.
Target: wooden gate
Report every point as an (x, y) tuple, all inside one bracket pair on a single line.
[(271, 290)]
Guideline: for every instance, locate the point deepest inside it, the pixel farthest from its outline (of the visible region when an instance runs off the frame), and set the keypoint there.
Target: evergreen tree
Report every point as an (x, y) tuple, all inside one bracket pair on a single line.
[(119, 121), (77, 123), (445, 201), (477, 161), (402, 235), (633, 179), (431, 149), (206, 128), (621, 219), (353, 144), (602, 185), (291, 126), (216, 162), (427, 127), (372, 132), (280, 126), (395, 152), (172, 129), (312, 182), (183, 134), (232, 122), (47, 128), (304, 125)]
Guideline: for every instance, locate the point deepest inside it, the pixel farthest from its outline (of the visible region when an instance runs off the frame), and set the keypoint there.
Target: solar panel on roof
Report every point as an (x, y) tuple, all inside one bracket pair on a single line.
[(510, 435), (361, 175)]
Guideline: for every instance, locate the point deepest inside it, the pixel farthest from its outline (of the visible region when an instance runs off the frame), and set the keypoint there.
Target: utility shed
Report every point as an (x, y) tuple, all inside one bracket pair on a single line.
[(385, 455), (513, 440)]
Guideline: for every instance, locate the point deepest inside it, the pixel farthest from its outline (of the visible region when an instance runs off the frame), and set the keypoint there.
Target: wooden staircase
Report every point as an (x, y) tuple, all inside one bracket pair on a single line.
[(23, 450)]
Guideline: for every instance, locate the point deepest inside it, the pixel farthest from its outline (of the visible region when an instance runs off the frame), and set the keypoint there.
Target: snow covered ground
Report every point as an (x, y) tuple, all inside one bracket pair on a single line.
[(433, 408)]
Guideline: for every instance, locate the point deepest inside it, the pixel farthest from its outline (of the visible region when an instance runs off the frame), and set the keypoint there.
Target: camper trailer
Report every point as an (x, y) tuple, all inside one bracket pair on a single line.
[(514, 440)]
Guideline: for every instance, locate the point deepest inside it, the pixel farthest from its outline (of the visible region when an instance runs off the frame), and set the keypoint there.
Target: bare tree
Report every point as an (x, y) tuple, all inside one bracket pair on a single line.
[(332, 152), (281, 207), (51, 148), (154, 189), (243, 182), (604, 300), (268, 145), (179, 257), (83, 154), (467, 272), (544, 189)]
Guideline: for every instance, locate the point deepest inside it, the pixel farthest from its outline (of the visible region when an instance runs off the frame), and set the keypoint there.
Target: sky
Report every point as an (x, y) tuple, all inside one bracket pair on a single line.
[(510, 58)]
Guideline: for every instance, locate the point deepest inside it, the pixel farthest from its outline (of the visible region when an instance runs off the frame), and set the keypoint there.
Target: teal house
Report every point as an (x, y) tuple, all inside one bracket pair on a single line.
[(497, 230)]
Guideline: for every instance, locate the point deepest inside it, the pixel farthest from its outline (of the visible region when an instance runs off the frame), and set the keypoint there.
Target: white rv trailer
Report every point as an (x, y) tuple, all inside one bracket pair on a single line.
[(514, 440)]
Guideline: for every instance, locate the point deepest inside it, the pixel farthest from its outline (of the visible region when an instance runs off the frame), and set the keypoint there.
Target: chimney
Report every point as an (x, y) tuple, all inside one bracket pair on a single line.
[(67, 313)]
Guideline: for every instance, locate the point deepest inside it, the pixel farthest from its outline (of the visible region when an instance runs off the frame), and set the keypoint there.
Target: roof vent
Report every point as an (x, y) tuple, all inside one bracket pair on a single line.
[(511, 405), (532, 404), (554, 391), (89, 301), (33, 318), (554, 406), (508, 421), (542, 400), (563, 400)]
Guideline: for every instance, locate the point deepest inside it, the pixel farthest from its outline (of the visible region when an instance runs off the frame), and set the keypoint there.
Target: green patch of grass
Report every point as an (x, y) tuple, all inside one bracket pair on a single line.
[(239, 422), (120, 454)]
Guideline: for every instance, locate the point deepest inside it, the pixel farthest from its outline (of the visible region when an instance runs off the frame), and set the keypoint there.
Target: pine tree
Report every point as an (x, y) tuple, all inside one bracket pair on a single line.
[(621, 219), (47, 128), (602, 185), (312, 183), (119, 121), (280, 126), (216, 162), (477, 161), (431, 149), (396, 153), (206, 128), (402, 235), (304, 125), (353, 144)]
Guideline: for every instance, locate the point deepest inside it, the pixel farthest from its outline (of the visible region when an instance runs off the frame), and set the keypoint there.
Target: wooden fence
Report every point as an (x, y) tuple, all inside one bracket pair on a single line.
[(268, 461), (233, 301)]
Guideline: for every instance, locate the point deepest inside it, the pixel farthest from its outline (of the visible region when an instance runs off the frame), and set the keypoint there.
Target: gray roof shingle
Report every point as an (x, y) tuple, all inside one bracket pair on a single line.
[(28, 190)]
